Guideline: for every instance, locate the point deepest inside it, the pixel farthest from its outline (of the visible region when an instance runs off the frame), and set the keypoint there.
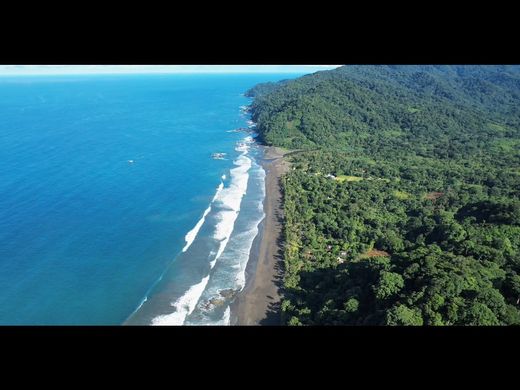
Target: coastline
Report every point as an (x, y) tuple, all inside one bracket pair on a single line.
[(259, 302)]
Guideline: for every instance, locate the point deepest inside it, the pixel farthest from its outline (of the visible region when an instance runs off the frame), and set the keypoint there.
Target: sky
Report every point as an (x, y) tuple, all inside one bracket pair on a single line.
[(94, 69)]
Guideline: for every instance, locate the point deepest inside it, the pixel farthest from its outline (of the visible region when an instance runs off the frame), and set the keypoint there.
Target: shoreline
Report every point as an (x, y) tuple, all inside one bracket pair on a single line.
[(259, 301)]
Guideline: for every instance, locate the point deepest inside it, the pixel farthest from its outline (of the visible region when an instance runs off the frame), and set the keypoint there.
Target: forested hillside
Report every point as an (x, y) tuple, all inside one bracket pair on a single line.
[(405, 209)]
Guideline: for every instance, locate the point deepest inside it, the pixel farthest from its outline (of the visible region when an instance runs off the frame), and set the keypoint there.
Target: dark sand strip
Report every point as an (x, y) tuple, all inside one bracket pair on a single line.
[(259, 302)]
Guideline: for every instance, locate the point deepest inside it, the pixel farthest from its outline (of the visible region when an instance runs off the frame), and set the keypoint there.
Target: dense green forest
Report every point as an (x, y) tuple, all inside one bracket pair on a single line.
[(402, 206)]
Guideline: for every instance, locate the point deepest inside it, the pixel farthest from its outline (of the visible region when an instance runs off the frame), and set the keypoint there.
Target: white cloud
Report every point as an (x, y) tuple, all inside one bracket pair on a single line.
[(93, 69)]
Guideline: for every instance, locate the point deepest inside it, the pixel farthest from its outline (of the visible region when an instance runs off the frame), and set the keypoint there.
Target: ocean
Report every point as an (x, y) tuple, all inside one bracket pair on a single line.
[(112, 207)]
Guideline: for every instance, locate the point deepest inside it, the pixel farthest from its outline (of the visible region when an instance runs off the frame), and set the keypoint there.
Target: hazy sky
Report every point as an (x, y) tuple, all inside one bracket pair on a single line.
[(77, 69)]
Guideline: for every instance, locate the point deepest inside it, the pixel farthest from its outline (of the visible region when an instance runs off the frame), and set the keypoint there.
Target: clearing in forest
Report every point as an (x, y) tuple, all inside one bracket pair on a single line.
[(374, 253), (433, 195), (342, 178)]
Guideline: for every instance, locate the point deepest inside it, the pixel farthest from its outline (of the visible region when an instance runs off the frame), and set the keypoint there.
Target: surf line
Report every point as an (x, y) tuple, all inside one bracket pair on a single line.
[(192, 234), (231, 197)]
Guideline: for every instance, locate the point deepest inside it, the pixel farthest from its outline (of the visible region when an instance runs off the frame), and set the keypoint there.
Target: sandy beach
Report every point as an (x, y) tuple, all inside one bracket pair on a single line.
[(259, 302)]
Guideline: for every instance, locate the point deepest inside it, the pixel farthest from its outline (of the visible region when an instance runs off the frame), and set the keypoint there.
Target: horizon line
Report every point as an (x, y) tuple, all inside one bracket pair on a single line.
[(157, 69)]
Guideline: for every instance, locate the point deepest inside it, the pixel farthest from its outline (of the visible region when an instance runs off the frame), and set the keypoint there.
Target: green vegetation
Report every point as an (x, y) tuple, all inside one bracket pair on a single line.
[(401, 195), (428, 232), (342, 178)]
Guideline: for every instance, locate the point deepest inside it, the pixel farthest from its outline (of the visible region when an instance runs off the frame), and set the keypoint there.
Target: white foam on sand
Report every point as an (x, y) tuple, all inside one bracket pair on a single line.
[(227, 316), (183, 306), (230, 199), (248, 238), (231, 274), (192, 234), (225, 320), (244, 145)]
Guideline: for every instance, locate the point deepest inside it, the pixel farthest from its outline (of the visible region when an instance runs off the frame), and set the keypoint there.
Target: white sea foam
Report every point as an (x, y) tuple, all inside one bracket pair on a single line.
[(183, 306), (212, 263), (142, 303), (231, 274), (220, 188), (227, 316), (241, 147), (230, 199), (190, 236), (242, 243), (249, 237), (225, 320), (228, 202)]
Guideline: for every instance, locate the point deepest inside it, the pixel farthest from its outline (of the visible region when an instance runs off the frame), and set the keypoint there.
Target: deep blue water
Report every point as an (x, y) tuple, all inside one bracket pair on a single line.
[(84, 232)]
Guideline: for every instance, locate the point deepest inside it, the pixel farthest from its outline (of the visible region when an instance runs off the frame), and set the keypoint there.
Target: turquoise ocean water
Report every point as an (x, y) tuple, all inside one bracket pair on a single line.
[(112, 209)]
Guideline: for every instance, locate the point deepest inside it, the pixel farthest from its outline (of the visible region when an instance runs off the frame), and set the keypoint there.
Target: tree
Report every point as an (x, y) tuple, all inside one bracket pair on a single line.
[(390, 283), (480, 314), (403, 315), (351, 305), (421, 221)]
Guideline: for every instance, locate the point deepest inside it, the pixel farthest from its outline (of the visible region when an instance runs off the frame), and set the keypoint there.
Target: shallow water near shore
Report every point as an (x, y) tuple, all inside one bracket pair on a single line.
[(198, 288), (107, 179)]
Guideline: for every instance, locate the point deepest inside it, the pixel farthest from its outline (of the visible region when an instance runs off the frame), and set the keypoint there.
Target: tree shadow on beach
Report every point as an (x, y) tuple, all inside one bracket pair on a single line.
[(280, 243), (273, 314)]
